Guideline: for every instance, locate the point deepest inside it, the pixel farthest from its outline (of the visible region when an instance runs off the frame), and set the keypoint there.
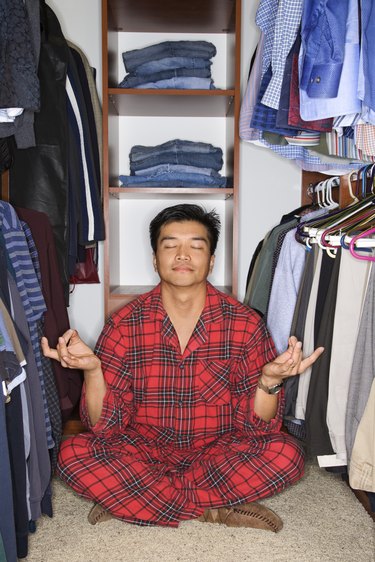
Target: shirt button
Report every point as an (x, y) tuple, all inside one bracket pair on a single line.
[(317, 79), (182, 366), (180, 402)]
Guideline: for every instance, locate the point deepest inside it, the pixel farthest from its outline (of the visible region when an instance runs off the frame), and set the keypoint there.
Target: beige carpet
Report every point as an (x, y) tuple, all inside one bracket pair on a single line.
[(323, 522)]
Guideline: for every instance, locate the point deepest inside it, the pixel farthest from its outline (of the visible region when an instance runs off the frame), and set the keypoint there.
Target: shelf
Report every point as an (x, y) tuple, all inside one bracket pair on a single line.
[(171, 103), (166, 192), (183, 16), (137, 116)]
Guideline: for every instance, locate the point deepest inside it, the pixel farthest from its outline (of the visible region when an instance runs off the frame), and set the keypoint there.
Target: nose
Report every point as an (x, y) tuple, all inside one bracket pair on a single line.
[(182, 253)]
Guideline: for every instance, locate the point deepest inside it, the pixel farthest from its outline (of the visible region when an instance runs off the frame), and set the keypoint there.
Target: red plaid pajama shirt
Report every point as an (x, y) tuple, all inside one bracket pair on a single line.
[(178, 433)]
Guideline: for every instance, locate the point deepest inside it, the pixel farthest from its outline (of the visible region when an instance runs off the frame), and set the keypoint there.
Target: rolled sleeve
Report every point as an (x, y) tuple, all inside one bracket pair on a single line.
[(260, 424), (259, 350), (118, 401), (108, 421)]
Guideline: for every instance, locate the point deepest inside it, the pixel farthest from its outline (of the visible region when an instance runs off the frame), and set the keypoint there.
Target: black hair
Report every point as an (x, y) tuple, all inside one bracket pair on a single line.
[(186, 212)]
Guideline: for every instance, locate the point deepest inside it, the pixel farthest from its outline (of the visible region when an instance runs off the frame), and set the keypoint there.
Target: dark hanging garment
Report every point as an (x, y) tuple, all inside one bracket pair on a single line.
[(55, 322), (39, 175), (13, 411), (318, 440), (19, 83)]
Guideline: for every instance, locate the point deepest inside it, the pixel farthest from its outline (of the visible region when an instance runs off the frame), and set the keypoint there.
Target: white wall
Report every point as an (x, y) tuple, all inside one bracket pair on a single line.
[(269, 184)]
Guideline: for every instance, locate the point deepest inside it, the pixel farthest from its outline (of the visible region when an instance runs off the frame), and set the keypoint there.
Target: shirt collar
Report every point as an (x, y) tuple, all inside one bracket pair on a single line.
[(212, 312)]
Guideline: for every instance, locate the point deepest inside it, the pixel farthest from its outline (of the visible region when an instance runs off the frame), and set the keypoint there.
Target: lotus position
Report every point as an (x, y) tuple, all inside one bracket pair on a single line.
[(182, 397)]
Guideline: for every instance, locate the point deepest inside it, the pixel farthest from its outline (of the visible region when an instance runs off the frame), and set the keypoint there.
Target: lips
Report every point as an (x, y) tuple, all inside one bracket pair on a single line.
[(182, 268)]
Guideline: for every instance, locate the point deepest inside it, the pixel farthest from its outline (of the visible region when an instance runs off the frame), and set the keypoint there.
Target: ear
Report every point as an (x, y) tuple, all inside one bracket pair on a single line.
[(154, 262), (212, 263)]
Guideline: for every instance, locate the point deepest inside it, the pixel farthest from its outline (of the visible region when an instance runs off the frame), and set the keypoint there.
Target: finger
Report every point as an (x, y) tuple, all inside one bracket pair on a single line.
[(278, 369), (79, 362), (70, 361), (310, 360), (68, 336), (62, 349), (292, 341), (296, 356), (47, 350), (288, 353)]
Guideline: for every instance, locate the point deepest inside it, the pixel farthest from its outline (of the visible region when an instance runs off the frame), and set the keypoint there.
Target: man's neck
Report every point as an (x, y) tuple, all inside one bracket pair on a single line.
[(183, 301), (184, 306)]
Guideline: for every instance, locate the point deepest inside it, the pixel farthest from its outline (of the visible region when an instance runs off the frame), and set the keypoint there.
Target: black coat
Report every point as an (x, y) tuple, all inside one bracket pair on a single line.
[(39, 175)]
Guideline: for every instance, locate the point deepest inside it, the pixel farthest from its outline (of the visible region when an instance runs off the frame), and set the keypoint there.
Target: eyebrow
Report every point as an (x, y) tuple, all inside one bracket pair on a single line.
[(198, 238)]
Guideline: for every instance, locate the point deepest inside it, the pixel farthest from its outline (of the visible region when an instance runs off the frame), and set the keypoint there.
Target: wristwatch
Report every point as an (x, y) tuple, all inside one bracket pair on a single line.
[(270, 389)]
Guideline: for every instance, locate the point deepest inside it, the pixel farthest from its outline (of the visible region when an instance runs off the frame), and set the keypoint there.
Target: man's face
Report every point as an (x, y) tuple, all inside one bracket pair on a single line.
[(183, 255)]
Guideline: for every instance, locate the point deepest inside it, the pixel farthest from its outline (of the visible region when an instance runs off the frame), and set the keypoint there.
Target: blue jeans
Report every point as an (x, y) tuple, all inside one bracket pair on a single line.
[(181, 83), (171, 62), (186, 158), (139, 152), (132, 81), (136, 57), (177, 168), (173, 179)]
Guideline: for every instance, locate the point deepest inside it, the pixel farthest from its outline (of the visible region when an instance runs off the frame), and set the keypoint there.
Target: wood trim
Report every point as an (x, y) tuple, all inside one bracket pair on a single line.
[(341, 194), (105, 152), (4, 186)]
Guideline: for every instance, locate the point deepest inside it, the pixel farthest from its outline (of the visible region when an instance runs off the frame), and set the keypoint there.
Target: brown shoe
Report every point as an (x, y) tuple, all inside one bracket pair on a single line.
[(98, 514), (252, 515)]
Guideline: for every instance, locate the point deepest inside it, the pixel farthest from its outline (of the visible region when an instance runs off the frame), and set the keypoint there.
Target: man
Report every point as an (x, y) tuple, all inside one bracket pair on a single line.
[(182, 398)]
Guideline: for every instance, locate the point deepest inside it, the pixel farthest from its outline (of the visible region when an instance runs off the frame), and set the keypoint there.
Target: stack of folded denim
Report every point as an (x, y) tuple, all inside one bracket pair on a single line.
[(170, 64), (175, 163)]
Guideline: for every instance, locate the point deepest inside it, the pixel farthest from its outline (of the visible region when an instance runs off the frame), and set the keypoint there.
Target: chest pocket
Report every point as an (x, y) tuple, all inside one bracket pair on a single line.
[(214, 382)]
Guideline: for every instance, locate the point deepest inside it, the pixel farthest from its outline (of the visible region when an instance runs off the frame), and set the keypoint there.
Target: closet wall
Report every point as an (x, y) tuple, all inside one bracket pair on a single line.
[(269, 185)]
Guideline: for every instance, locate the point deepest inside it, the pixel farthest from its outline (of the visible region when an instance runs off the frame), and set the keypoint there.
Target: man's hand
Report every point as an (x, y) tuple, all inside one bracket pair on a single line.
[(289, 363), (72, 352)]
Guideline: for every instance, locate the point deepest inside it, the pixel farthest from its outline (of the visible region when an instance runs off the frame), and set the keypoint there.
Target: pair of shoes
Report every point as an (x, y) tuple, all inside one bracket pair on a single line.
[(98, 514), (252, 515)]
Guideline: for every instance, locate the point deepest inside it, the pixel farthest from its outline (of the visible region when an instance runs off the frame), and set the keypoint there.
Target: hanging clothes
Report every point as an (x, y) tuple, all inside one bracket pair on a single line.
[(328, 292), (309, 96), (19, 82), (60, 176), (31, 424), (362, 461)]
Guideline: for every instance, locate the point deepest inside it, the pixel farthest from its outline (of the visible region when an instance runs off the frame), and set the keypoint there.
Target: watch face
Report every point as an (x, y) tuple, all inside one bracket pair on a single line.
[(275, 389)]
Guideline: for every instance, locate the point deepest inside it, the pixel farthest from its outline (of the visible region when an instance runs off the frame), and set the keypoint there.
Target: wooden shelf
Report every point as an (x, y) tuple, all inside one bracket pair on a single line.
[(166, 192), (169, 16), (171, 103)]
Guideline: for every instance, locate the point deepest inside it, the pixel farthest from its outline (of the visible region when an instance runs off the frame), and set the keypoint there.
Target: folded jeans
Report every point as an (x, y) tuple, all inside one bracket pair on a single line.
[(139, 152), (172, 179), (134, 58), (132, 80), (183, 158)]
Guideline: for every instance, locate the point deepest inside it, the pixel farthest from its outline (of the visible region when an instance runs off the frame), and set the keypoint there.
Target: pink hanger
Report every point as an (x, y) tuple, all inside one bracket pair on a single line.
[(358, 237)]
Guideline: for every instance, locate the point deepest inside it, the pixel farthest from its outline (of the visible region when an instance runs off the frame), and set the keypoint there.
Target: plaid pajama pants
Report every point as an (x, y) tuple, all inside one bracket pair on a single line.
[(145, 483)]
